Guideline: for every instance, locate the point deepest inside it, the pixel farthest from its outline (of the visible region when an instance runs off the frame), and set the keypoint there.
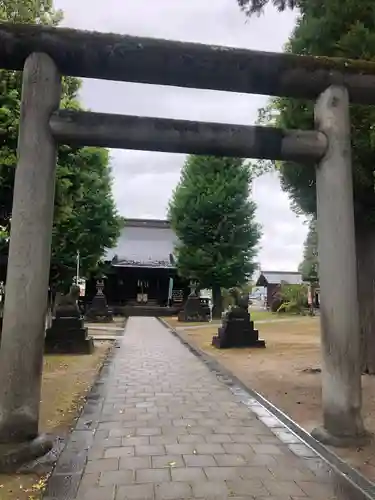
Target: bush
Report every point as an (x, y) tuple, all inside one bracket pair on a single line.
[(276, 303), (293, 299)]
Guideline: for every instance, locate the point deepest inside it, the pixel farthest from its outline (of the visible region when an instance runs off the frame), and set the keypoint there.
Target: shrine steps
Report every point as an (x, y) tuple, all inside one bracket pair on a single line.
[(145, 310)]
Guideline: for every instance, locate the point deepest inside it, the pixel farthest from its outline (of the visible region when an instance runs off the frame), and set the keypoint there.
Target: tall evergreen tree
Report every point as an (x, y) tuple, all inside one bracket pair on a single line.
[(309, 267), (343, 28), (85, 216), (213, 217)]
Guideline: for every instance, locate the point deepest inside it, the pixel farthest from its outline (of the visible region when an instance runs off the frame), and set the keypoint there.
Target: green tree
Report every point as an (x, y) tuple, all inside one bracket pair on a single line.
[(85, 217), (257, 6), (293, 298), (213, 218), (30, 11), (309, 267), (343, 28), (4, 236)]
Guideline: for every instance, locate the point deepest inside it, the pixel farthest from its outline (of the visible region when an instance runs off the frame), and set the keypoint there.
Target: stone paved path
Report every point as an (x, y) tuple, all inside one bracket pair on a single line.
[(168, 429)]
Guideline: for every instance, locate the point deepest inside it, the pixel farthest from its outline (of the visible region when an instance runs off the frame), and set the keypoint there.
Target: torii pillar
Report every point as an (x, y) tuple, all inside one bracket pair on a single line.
[(22, 343), (340, 331)]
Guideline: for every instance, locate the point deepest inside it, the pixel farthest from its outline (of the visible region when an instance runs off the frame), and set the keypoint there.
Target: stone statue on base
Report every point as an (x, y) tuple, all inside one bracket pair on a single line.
[(67, 334), (237, 329), (67, 305), (194, 310), (99, 311)]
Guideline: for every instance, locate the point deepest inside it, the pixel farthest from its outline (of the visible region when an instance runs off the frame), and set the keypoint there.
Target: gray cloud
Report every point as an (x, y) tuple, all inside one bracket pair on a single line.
[(143, 181)]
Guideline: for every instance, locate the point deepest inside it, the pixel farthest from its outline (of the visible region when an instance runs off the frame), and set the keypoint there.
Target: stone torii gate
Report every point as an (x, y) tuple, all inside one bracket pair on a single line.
[(46, 53)]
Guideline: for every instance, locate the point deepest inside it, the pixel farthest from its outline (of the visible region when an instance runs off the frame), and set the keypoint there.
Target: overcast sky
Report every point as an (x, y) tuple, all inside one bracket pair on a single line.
[(143, 181)]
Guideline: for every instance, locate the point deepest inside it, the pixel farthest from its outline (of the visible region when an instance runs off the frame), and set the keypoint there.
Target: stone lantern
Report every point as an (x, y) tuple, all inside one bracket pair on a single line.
[(99, 311)]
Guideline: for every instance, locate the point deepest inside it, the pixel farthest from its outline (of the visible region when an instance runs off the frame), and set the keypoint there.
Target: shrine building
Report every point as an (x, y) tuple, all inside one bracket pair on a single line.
[(141, 272)]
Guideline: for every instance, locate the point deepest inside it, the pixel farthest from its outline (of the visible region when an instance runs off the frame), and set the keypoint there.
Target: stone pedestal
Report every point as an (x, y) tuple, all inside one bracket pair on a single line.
[(237, 330), (68, 336), (194, 310)]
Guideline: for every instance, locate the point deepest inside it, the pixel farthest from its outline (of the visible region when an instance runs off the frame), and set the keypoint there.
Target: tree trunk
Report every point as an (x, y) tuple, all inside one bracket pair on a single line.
[(217, 300), (365, 242)]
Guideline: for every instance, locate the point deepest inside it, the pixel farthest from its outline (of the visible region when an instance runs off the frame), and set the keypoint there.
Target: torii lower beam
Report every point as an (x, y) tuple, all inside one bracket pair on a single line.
[(80, 128)]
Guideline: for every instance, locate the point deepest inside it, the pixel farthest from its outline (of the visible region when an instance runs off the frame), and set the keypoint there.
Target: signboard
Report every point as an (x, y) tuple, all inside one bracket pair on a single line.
[(170, 290), (177, 295), (142, 298), (162, 264), (309, 295), (82, 286)]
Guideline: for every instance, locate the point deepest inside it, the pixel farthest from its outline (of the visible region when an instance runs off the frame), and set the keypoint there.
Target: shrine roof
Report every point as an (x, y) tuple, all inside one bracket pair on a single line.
[(277, 277), (144, 243)]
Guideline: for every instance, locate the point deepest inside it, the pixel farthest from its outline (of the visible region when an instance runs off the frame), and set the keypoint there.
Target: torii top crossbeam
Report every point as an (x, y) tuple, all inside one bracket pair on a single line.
[(163, 62)]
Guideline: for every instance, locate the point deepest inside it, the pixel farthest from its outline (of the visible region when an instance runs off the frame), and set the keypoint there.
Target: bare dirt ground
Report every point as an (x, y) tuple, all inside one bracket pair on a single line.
[(255, 315), (282, 373), (66, 381)]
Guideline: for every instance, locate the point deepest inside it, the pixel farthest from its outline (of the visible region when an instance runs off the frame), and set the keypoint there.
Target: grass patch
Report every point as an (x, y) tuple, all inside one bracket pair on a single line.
[(66, 381), (255, 316), (266, 315)]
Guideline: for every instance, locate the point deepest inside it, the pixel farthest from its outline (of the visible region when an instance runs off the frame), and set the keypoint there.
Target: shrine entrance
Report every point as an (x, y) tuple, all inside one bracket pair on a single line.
[(46, 53)]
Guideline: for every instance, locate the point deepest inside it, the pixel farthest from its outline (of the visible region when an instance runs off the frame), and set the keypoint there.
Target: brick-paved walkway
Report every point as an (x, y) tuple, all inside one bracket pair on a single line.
[(168, 429)]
